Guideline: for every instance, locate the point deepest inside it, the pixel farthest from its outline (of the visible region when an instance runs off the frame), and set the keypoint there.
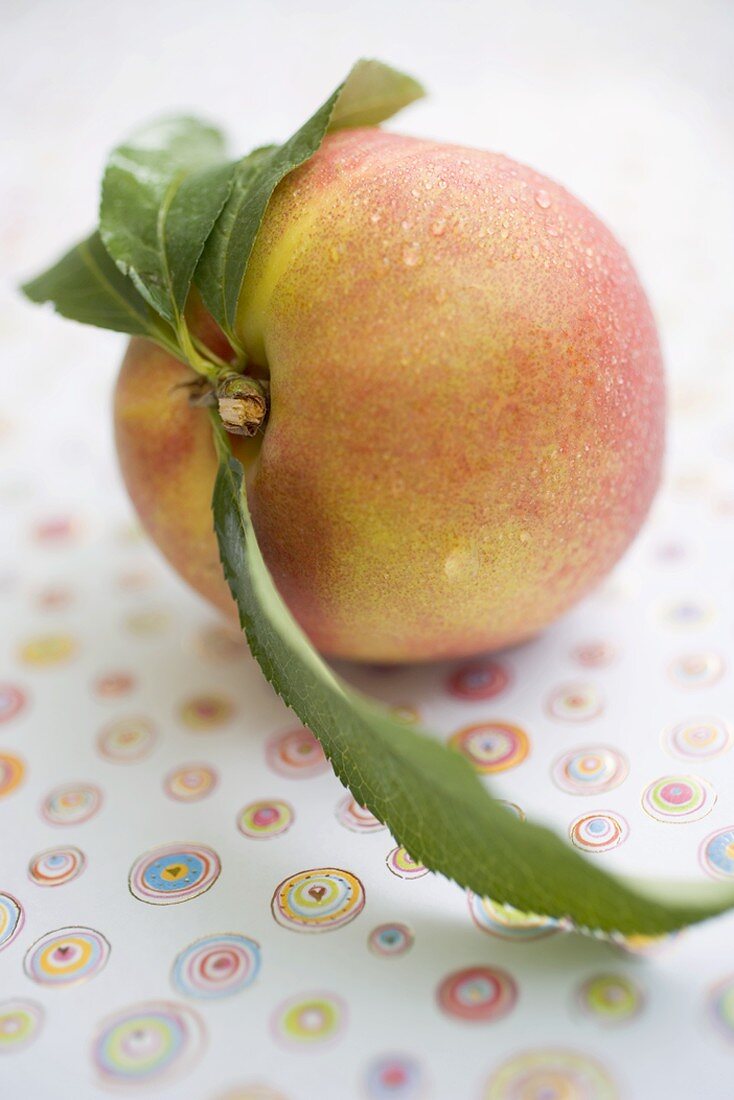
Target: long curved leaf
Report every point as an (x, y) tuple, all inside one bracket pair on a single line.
[(427, 794)]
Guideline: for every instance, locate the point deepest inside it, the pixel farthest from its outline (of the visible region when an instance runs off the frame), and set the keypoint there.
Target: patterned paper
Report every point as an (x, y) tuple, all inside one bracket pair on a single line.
[(191, 905)]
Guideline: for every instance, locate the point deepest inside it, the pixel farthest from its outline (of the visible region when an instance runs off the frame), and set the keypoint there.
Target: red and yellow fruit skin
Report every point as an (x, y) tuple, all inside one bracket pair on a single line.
[(467, 418)]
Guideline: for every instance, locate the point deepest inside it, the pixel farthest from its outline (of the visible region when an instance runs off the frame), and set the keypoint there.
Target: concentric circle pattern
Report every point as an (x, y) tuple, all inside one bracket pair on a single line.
[(47, 650), (390, 940), (148, 1044), (11, 919), (191, 782), (717, 854), (551, 1075), (478, 681), (698, 738), (598, 832), (216, 966), (296, 754), (610, 998), (20, 1024), (356, 818), (206, 712), (594, 654), (12, 701), (320, 900), (127, 740), (492, 746), (574, 703), (306, 951), (685, 614), (696, 670), (113, 685), (678, 798), (265, 819), (310, 1020), (478, 994), (67, 956), (12, 771), (71, 804), (56, 866), (507, 923), (174, 873), (590, 770), (394, 1077), (402, 864)]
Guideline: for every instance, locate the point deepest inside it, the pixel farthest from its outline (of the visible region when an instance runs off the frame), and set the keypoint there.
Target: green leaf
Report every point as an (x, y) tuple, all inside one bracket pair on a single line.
[(162, 192), (85, 285), (427, 794), (371, 93)]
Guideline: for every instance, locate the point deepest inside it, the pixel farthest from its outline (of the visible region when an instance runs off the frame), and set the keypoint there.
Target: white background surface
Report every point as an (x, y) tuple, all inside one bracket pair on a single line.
[(632, 107)]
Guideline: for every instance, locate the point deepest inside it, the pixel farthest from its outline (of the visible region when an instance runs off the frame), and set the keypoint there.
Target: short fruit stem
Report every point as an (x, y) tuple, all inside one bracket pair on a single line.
[(243, 404)]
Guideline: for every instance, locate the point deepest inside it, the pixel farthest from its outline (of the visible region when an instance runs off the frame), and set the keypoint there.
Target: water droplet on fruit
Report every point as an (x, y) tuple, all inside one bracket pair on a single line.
[(543, 199), (412, 255), (439, 227), (462, 562), (374, 218)]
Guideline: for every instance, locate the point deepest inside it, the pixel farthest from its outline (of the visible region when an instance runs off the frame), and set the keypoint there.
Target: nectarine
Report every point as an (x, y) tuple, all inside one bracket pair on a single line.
[(467, 404)]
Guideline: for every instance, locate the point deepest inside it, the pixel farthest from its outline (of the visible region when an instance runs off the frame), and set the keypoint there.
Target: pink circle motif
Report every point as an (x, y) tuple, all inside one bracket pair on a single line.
[(296, 754), (696, 670), (395, 1077), (575, 703), (191, 782), (678, 798), (12, 701), (478, 681), (265, 818), (71, 804), (590, 770), (356, 818), (599, 831), (594, 654), (127, 740), (478, 994), (113, 685), (56, 866), (206, 712), (390, 940), (492, 746), (698, 738), (403, 865)]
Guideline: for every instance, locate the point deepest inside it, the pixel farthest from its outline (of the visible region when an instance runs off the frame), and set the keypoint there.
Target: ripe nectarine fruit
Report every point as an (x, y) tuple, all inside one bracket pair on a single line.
[(467, 404)]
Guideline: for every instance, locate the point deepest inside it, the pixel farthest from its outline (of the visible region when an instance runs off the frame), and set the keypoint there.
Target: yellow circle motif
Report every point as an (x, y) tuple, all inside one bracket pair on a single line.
[(12, 770), (47, 649), (319, 900)]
